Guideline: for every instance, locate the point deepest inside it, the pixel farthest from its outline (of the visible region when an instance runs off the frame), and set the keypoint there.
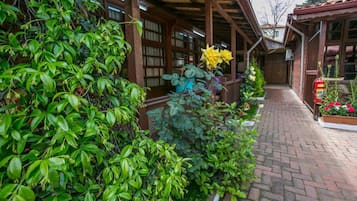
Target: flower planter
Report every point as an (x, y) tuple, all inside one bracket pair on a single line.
[(338, 122)]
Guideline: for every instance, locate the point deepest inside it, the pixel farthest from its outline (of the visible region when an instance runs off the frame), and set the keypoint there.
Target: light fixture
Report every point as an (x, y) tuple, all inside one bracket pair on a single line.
[(198, 33), (142, 6)]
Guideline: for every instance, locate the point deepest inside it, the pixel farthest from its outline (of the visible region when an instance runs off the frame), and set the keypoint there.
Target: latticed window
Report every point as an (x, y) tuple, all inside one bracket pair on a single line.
[(185, 48), (154, 60)]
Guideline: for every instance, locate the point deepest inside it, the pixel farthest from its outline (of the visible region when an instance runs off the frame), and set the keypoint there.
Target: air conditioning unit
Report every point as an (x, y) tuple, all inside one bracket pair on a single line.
[(289, 55)]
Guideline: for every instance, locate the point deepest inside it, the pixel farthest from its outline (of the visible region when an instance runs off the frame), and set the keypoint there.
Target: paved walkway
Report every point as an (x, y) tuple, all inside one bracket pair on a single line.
[(297, 159)]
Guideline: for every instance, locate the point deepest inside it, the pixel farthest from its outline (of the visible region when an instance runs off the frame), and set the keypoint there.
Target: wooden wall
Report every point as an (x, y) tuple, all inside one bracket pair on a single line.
[(276, 69)]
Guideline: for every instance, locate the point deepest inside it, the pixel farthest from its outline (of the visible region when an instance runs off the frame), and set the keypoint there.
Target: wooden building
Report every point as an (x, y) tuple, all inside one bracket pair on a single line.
[(174, 31), (275, 68), (317, 33)]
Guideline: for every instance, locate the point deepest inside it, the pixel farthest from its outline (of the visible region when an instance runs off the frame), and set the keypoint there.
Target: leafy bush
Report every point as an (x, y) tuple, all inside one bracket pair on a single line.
[(68, 127), (206, 132), (254, 81)]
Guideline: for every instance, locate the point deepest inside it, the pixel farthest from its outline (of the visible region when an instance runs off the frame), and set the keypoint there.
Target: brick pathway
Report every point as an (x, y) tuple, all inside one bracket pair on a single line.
[(297, 159)]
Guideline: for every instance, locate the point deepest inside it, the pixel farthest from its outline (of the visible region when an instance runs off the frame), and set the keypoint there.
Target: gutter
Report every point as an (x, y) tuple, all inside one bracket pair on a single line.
[(302, 55), (251, 49)]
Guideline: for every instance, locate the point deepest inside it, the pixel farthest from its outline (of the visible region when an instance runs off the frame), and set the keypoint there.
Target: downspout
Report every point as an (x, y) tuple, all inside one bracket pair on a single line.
[(302, 55), (251, 49)]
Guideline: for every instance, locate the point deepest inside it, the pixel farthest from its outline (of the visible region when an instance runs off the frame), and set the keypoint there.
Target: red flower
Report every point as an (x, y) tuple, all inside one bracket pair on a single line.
[(330, 104), (337, 103), (351, 110), (349, 105), (326, 108)]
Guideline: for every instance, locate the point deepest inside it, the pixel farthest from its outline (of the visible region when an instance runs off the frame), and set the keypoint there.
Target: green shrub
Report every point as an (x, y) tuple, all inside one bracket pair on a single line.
[(203, 130), (254, 81), (68, 127)]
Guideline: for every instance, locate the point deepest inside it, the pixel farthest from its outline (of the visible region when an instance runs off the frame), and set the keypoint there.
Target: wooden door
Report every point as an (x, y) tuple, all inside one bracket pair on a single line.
[(276, 69)]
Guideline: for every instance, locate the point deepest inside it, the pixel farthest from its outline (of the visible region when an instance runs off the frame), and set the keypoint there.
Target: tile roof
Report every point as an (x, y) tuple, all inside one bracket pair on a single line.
[(329, 5)]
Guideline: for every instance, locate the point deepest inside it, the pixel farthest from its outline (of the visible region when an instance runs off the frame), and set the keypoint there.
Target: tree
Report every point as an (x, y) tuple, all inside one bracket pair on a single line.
[(276, 10)]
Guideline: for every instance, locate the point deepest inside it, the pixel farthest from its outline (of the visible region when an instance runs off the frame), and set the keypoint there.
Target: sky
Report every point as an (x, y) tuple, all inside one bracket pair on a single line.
[(259, 7)]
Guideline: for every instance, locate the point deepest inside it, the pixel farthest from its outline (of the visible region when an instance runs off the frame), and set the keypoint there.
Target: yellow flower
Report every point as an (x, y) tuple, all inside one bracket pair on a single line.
[(226, 56), (211, 57)]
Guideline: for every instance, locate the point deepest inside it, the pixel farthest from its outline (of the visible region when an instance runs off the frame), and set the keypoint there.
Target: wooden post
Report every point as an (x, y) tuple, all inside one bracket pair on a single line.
[(209, 22), (322, 42), (135, 57), (234, 53), (245, 54), (168, 46)]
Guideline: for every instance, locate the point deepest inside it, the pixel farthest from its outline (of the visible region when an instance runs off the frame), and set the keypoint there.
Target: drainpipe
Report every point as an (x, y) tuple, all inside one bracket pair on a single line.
[(302, 55), (251, 49)]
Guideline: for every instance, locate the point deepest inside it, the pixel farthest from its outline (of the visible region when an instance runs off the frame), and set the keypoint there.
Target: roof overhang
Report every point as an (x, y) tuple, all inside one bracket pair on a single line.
[(238, 14)]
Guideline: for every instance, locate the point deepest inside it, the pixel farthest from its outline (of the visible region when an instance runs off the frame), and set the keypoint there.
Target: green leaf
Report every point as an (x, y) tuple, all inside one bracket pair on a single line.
[(15, 135), (110, 117), (125, 195), (18, 198), (73, 101), (13, 41), (89, 197), (48, 82), (36, 121), (50, 24), (127, 151), (5, 122), (6, 191), (139, 26), (107, 175), (33, 46), (53, 177), (14, 168), (5, 160), (62, 123), (58, 50), (56, 163), (110, 193), (44, 168), (32, 167), (27, 193)]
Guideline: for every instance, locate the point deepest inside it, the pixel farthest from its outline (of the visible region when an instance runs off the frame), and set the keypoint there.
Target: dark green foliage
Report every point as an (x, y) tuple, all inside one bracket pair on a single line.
[(204, 130), (68, 127)]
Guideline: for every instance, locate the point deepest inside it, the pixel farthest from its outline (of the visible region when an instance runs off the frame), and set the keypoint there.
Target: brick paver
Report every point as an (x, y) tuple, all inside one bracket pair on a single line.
[(299, 160)]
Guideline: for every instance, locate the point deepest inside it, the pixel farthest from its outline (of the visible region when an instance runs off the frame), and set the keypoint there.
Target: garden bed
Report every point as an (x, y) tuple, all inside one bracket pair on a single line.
[(338, 122)]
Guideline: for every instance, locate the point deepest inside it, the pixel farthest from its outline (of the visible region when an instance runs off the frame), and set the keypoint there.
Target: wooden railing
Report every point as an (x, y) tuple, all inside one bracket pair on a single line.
[(229, 94), (231, 91)]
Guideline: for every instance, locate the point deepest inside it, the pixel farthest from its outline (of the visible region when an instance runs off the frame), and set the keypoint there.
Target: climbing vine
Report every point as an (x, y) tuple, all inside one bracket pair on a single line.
[(68, 127)]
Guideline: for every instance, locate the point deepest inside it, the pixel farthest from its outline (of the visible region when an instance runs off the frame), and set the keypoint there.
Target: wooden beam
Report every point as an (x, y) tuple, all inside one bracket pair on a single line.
[(209, 22), (322, 41), (245, 54), (135, 58), (168, 47), (234, 52), (229, 19)]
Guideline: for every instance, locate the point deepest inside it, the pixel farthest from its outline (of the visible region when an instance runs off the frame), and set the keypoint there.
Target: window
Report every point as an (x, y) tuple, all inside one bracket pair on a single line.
[(350, 62), (276, 34), (116, 13), (352, 29), (154, 60), (330, 59), (334, 30)]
